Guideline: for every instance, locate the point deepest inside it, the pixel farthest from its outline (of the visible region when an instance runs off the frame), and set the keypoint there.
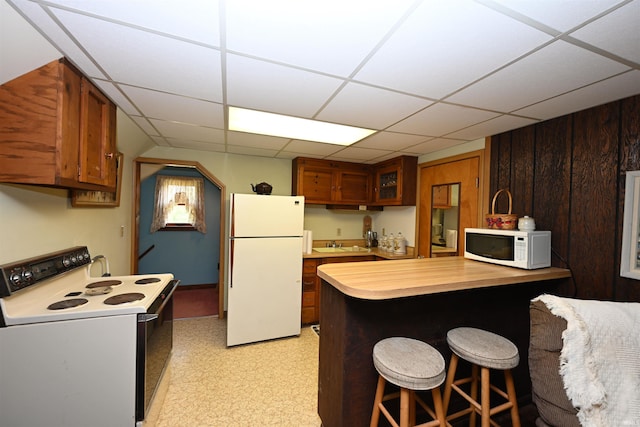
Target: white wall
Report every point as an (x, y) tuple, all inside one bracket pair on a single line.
[(37, 220)]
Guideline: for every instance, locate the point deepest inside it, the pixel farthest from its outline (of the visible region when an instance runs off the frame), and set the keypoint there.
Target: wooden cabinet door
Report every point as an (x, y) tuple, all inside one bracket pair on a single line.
[(310, 292), (441, 196), (387, 189), (353, 187), (97, 143), (317, 185), (395, 182)]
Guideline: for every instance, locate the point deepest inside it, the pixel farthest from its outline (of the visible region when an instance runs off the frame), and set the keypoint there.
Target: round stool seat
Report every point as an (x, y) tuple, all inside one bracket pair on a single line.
[(483, 348), (409, 363)]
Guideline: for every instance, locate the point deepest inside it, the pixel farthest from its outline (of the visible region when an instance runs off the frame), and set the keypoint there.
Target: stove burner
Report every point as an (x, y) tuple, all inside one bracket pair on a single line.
[(103, 284), (124, 298), (147, 280), (99, 291), (68, 303)]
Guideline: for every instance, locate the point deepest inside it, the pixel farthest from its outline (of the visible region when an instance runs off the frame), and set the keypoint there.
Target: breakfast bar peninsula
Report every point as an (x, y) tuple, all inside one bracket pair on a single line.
[(364, 302)]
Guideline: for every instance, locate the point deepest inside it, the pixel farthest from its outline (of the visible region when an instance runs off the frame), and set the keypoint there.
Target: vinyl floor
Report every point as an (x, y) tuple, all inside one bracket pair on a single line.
[(273, 383)]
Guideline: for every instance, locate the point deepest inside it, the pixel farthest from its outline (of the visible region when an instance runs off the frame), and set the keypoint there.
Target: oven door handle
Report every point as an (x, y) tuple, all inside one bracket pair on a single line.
[(145, 318)]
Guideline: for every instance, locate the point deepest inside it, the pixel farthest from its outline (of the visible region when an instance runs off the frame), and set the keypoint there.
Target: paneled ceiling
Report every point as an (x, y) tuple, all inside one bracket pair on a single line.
[(427, 75)]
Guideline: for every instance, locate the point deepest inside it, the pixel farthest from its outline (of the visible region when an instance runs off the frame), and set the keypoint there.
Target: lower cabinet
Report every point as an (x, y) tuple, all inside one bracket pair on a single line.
[(310, 291), (311, 284)]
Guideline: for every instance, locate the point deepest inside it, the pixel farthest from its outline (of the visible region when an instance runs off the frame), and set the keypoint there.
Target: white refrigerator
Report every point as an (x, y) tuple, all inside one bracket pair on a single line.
[(265, 267)]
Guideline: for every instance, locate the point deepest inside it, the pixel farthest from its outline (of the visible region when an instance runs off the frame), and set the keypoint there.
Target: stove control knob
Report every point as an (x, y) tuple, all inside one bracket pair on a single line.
[(66, 261), (15, 279), (27, 276)]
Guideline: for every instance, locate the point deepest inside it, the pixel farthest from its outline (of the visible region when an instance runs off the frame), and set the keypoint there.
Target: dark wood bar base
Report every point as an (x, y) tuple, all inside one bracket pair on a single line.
[(350, 327)]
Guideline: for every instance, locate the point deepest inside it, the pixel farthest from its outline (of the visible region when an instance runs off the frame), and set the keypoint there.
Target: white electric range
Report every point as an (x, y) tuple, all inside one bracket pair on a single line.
[(88, 350)]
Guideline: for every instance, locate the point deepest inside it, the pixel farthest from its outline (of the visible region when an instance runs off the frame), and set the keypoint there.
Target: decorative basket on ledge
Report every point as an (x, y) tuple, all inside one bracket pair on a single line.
[(500, 221)]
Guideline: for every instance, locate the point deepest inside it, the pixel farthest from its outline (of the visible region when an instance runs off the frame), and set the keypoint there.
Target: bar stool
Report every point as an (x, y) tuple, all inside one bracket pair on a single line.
[(484, 350), (411, 365)]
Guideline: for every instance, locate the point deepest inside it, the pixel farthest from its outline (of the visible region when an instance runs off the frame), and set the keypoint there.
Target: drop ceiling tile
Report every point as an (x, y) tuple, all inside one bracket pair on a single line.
[(355, 154), (618, 87), (287, 155), (251, 151), (188, 132), (369, 107), (196, 145), (559, 67), (150, 61), (164, 106), (441, 119), (560, 15), (145, 125), (160, 141), (189, 19), (58, 37), (40, 51), (265, 86), (617, 32), (256, 141), (444, 46), (331, 36), (390, 141), (114, 93), (435, 144), (492, 127), (311, 148)]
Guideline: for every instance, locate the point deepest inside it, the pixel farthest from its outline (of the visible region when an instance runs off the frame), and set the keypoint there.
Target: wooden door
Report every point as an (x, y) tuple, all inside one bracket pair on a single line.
[(466, 172)]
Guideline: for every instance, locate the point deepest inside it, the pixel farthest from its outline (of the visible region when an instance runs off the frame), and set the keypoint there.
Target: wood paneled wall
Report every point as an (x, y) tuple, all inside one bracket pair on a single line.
[(569, 174)]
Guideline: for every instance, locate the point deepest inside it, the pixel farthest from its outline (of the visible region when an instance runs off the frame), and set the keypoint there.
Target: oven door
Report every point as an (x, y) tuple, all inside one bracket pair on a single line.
[(154, 344)]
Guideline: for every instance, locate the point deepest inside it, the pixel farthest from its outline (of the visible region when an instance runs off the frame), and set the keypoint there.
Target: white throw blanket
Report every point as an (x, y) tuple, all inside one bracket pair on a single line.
[(600, 359)]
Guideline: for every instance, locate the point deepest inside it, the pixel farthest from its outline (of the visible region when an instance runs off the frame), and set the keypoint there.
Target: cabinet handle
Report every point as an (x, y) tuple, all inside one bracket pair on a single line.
[(109, 155)]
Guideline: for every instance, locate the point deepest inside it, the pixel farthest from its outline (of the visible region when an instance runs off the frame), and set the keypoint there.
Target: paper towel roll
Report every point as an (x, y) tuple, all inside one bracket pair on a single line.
[(451, 238), (307, 241)]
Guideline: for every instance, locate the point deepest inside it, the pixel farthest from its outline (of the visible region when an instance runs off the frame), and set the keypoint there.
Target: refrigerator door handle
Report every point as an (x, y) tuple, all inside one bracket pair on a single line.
[(231, 252)]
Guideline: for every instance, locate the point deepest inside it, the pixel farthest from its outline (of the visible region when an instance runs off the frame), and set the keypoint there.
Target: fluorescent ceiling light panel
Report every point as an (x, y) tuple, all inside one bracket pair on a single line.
[(259, 122)]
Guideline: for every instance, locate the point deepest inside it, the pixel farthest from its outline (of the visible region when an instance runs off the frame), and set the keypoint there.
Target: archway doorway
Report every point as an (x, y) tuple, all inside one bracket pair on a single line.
[(141, 162)]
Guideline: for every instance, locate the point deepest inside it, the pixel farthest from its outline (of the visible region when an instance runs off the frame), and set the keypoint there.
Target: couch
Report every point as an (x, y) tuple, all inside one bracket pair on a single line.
[(547, 389)]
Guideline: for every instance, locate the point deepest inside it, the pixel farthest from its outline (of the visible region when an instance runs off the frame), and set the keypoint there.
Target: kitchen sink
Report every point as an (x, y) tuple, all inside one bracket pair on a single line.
[(355, 249), (344, 249)]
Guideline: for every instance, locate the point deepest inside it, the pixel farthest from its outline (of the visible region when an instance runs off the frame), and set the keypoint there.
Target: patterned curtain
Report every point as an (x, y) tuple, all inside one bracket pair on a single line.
[(174, 190)]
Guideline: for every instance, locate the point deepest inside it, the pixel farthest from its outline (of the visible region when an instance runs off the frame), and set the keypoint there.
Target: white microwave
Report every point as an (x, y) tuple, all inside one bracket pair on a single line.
[(513, 248)]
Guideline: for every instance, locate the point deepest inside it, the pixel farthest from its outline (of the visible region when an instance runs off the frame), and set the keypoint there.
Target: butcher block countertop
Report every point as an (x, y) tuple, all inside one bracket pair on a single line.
[(373, 280), (361, 253)]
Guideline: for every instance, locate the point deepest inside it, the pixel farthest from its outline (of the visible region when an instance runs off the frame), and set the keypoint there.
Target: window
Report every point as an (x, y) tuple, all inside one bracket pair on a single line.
[(179, 203)]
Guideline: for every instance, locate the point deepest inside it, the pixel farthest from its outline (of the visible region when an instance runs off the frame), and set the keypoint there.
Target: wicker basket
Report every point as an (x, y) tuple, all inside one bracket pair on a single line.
[(499, 221)]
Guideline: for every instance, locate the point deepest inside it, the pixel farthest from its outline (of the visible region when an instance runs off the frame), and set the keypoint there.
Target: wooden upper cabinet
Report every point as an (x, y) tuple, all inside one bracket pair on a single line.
[(331, 182), (353, 186), (313, 180), (57, 129), (441, 196), (97, 137), (396, 181)]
